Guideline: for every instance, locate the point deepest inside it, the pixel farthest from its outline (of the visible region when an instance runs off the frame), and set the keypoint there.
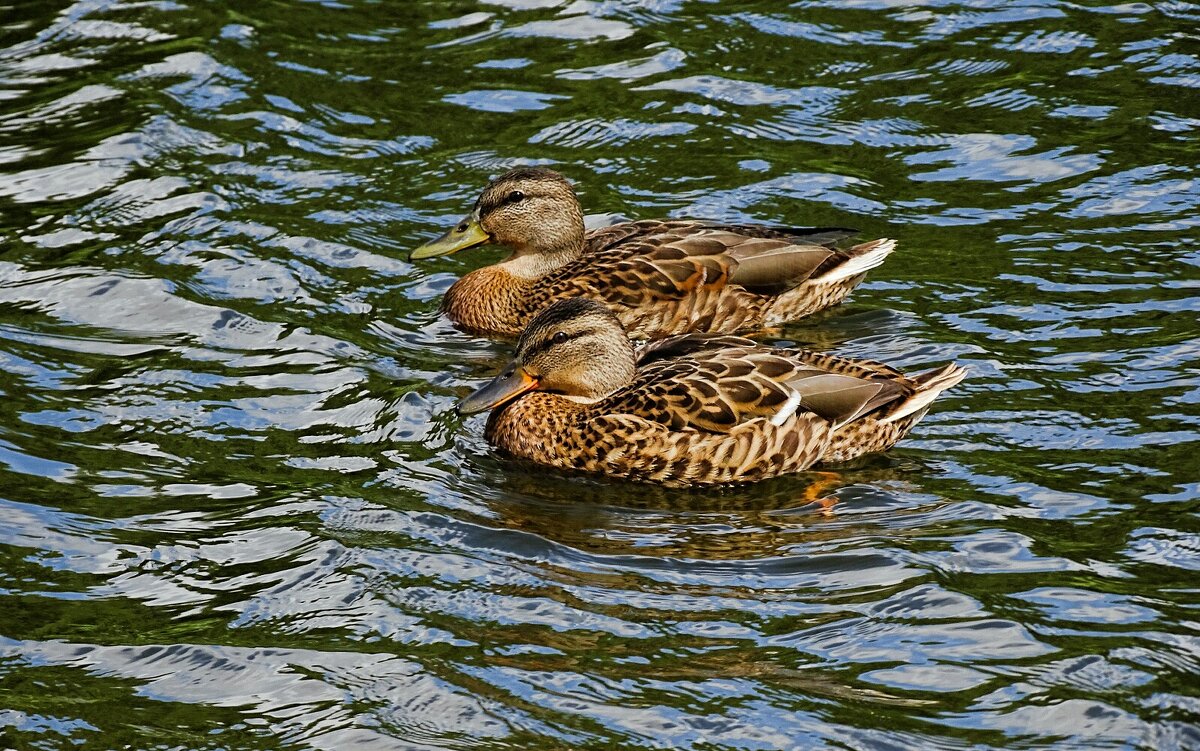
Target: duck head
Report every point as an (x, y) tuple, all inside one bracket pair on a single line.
[(574, 347), (532, 210)]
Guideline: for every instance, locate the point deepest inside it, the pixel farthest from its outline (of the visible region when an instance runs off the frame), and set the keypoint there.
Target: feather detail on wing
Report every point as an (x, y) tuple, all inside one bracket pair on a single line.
[(605, 238), (644, 261), (716, 383)]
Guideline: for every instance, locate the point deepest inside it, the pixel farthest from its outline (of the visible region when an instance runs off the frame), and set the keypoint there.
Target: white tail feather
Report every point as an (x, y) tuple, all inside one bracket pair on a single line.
[(788, 409), (866, 257), (933, 383)]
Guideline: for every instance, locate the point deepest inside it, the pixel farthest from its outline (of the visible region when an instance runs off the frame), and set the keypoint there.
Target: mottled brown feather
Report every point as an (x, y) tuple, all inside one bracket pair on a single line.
[(705, 409), (659, 277)]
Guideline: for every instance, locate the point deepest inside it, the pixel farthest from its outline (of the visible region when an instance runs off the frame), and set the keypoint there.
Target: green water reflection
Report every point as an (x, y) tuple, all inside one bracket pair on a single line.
[(237, 510)]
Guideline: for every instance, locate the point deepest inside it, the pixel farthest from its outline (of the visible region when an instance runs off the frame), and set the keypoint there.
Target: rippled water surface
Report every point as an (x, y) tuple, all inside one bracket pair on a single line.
[(237, 510)]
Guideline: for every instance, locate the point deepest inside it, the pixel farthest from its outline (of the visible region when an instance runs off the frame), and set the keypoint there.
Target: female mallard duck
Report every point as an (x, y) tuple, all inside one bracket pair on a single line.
[(694, 409), (658, 277)]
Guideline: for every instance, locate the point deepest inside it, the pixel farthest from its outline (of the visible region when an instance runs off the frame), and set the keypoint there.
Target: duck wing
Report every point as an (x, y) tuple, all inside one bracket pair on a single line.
[(643, 262), (605, 238), (716, 384)]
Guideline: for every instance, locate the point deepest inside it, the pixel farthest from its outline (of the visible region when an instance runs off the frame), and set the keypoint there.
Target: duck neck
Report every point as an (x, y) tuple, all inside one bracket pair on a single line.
[(547, 248), (611, 368), (534, 264)]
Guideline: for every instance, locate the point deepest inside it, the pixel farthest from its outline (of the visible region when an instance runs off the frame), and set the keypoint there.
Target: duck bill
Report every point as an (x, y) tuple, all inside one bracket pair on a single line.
[(505, 387), (466, 234)]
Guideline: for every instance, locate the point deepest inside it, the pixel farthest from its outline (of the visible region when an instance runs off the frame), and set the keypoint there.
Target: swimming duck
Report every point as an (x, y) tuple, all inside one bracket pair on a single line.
[(658, 277), (694, 409)]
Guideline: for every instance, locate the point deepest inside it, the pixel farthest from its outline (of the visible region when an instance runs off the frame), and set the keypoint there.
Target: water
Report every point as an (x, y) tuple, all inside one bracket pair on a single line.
[(237, 511)]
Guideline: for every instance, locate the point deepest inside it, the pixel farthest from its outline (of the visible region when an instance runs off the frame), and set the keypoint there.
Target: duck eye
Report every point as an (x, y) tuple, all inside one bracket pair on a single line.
[(516, 196), (559, 337)]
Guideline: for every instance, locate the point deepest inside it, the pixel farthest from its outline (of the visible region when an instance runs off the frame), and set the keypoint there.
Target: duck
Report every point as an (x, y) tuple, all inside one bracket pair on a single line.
[(659, 277), (693, 409)]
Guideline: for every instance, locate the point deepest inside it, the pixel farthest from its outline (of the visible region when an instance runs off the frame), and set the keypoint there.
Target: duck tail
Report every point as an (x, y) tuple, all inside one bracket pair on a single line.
[(830, 286), (862, 258), (930, 385)]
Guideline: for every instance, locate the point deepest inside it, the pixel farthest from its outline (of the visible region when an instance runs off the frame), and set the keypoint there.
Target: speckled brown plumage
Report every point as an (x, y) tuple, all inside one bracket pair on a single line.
[(658, 277), (693, 409)]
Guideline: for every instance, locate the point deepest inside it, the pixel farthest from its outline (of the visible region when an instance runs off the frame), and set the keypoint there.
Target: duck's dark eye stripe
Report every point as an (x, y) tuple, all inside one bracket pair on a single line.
[(552, 341), (489, 202)]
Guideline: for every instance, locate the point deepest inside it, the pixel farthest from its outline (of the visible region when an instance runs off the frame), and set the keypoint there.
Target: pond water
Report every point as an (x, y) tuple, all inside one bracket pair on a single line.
[(237, 509)]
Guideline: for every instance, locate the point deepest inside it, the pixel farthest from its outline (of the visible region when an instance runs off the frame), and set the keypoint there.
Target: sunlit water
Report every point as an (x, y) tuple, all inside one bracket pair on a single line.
[(237, 510)]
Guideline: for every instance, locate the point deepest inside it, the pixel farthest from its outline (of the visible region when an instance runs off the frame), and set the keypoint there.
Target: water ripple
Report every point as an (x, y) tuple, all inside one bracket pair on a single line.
[(237, 508)]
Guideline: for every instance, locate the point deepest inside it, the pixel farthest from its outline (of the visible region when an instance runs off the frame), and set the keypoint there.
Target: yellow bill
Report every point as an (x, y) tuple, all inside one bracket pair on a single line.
[(466, 234)]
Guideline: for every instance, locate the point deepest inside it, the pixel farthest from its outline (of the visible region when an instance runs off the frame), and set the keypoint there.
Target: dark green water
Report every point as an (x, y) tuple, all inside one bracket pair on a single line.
[(237, 511)]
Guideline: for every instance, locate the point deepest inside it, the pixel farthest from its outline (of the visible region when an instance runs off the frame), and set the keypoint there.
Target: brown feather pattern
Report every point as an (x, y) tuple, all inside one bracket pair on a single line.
[(667, 277), (705, 409)]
